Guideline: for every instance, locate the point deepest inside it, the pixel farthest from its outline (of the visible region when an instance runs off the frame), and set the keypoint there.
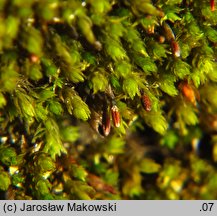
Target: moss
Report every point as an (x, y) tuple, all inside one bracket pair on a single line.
[(108, 99)]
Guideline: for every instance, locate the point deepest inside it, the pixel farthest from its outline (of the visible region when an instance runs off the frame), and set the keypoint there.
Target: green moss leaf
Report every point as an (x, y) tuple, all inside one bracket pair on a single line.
[(12, 24), (211, 34), (188, 115), (100, 6), (99, 81), (167, 85), (25, 105), (114, 49), (80, 190), (181, 69), (115, 145), (130, 87), (69, 134), (78, 108), (3, 101), (122, 69), (41, 112), (53, 144), (55, 107), (5, 180), (32, 40), (78, 172), (9, 79), (147, 64), (158, 51), (149, 166), (43, 187), (85, 25), (170, 139), (208, 95), (44, 164), (157, 121), (8, 155)]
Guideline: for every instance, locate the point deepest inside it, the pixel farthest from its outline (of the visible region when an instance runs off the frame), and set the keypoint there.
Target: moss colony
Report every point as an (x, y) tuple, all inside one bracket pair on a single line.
[(108, 99)]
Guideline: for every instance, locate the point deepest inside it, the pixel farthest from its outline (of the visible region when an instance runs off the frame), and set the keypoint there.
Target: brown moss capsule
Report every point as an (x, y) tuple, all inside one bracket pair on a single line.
[(34, 58), (96, 122), (106, 123), (175, 48), (168, 32), (97, 45), (212, 5), (115, 116), (146, 103), (161, 39), (150, 29), (99, 185), (188, 92)]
